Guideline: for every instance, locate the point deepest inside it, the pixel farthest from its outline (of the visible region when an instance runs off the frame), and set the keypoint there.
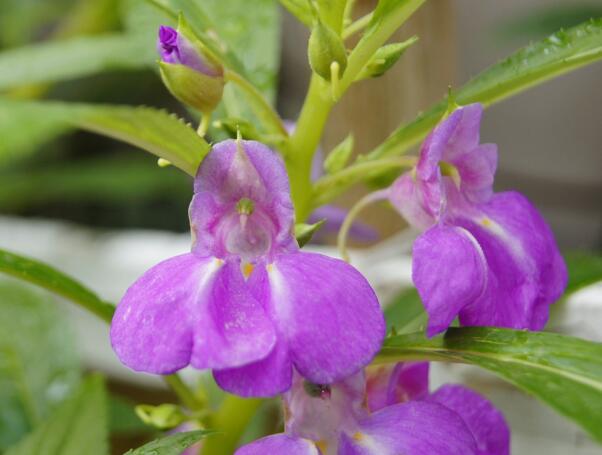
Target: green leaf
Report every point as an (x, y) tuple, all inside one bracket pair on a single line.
[(560, 53), (304, 232), (78, 426), (153, 130), (174, 444), (584, 269), (38, 361), (52, 280), (563, 372), (115, 180), (406, 312), (300, 9), (338, 157), (68, 59)]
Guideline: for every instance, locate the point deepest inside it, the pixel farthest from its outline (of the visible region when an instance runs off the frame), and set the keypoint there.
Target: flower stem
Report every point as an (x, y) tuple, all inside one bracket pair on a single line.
[(304, 142), (232, 418), (352, 215), (329, 186), (263, 109), (357, 26), (186, 396)]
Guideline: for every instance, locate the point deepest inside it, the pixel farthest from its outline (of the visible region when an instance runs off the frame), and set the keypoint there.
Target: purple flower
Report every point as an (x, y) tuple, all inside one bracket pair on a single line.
[(246, 302), (389, 412), (174, 48), (488, 258)]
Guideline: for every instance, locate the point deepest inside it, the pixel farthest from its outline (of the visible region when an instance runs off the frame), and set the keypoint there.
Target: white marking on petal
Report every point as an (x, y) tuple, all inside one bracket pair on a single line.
[(481, 254), (371, 444)]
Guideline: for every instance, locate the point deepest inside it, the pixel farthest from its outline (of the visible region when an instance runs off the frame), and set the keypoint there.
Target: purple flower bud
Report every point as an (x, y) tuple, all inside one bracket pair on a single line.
[(174, 48), (188, 70)]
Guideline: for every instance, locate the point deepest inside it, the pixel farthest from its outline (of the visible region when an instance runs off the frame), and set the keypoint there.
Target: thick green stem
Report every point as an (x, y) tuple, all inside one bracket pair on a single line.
[(232, 418), (304, 142)]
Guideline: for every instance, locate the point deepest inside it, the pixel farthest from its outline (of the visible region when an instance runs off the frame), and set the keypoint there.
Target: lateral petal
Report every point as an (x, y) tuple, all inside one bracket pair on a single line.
[(449, 272)]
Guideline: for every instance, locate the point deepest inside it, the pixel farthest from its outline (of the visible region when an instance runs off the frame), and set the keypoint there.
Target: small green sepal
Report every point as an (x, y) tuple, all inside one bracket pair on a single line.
[(305, 232), (164, 416)]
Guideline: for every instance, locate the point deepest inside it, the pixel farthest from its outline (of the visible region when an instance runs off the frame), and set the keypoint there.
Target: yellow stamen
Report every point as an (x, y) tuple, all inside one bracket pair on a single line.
[(358, 436), (486, 222), (247, 269), (322, 445)]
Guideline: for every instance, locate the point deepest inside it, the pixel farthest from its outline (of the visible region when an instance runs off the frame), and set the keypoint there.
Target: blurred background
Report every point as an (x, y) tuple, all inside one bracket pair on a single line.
[(104, 212)]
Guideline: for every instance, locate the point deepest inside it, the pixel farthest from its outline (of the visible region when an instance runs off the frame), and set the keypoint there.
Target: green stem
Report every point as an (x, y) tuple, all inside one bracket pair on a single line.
[(232, 418), (263, 109), (304, 142), (374, 38), (327, 187), (184, 393), (357, 26)]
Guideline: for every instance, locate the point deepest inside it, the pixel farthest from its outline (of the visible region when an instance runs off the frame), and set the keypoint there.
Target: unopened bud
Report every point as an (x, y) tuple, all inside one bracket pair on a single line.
[(384, 58), (188, 70), (326, 47)]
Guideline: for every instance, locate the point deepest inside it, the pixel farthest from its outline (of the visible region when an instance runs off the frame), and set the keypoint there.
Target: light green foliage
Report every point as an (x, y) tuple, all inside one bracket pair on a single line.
[(563, 372), (405, 313), (153, 130), (55, 281), (174, 444), (38, 362), (339, 156), (584, 269), (63, 60), (561, 52), (78, 426)]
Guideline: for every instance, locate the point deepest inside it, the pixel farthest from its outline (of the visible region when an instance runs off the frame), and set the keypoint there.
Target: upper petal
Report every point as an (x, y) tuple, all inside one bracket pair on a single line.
[(413, 428), (236, 170), (419, 204), (279, 444), (449, 271), (327, 313), (190, 309), (486, 423), (526, 272)]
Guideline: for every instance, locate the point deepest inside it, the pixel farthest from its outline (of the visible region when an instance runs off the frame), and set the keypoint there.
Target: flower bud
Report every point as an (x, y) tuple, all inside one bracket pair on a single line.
[(384, 58), (188, 70), (326, 47)]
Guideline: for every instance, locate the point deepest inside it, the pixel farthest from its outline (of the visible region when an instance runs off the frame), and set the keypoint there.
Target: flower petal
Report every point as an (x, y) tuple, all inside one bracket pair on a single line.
[(231, 328), (266, 378), (396, 383), (236, 170), (449, 272), (189, 309), (417, 203), (486, 423), (526, 271), (279, 444), (413, 428), (327, 313)]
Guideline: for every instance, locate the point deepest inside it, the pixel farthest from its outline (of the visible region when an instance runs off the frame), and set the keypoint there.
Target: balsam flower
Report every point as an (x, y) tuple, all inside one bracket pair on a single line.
[(388, 411), (488, 258), (246, 302)]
